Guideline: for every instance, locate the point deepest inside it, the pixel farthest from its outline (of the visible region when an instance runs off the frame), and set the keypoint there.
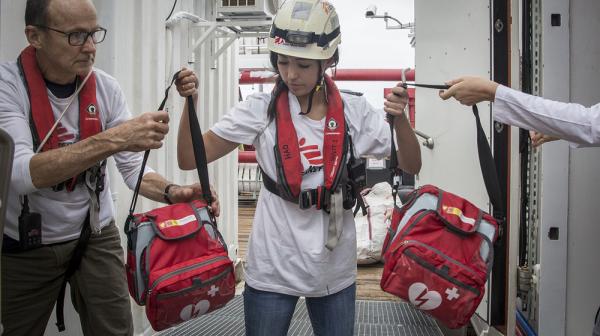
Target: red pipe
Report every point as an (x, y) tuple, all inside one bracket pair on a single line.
[(391, 75), (247, 156), (257, 76)]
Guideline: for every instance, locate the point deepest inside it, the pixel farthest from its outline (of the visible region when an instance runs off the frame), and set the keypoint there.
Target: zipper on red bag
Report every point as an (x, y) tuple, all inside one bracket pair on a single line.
[(208, 282), (184, 270), (405, 245)]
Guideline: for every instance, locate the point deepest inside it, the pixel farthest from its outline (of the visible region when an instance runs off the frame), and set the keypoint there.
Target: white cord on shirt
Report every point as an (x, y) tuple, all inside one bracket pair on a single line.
[(75, 95)]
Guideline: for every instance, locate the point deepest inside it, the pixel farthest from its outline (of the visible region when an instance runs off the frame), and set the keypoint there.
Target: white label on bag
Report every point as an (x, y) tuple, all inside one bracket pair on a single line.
[(458, 212), (177, 222)]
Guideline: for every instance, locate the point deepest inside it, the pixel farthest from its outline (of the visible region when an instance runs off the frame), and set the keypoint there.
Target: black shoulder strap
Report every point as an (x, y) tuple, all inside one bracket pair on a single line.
[(488, 167), (74, 263), (395, 173), (199, 151)]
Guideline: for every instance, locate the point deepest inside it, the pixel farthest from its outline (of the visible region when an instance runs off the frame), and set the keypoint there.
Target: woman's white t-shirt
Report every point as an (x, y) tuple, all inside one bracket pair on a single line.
[(286, 252)]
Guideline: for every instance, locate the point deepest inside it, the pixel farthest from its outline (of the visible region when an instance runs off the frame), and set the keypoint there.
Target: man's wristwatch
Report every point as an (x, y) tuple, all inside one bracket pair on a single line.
[(166, 192)]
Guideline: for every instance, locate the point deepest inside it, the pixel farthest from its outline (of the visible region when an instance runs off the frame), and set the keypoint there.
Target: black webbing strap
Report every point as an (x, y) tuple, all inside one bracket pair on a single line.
[(199, 153), (138, 184), (428, 86), (271, 186), (74, 263), (488, 167), (394, 170), (307, 198)]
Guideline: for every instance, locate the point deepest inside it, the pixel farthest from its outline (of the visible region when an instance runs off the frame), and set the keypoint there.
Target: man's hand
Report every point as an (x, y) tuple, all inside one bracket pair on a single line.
[(187, 83), (470, 90), (537, 139), (144, 132), (183, 194), (396, 101)]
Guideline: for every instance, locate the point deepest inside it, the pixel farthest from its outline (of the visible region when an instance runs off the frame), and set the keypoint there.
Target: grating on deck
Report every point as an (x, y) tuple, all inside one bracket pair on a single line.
[(373, 318)]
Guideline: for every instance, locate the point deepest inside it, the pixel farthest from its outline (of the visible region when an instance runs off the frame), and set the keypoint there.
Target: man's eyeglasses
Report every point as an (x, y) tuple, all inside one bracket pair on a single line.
[(79, 38)]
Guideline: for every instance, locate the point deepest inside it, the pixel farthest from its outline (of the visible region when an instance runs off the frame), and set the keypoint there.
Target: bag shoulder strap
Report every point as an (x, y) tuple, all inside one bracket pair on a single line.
[(488, 167)]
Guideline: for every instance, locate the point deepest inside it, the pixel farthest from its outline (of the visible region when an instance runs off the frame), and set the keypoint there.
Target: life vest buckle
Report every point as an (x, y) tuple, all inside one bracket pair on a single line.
[(323, 198), (306, 199), (319, 197)]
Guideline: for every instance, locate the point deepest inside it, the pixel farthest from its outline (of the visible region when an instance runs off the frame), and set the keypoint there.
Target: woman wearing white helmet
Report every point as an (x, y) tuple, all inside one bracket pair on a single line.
[(307, 136)]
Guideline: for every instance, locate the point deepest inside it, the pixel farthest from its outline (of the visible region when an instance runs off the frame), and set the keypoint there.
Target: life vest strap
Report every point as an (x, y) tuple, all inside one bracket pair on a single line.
[(319, 197)]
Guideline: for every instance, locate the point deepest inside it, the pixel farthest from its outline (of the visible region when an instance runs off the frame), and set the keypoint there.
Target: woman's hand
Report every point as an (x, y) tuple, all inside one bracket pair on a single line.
[(396, 102), (187, 83)]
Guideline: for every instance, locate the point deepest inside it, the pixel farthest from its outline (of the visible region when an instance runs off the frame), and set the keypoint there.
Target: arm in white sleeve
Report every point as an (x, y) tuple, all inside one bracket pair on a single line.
[(568, 121), (370, 131), (13, 120)]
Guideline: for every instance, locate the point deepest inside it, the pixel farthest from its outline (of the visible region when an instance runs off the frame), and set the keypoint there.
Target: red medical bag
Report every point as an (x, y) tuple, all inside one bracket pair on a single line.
[(177, 261), (177, 264), (438, 252)]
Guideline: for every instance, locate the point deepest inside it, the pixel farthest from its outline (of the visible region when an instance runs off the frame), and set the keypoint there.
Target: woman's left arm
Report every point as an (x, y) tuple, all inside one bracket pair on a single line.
[(408, 151)]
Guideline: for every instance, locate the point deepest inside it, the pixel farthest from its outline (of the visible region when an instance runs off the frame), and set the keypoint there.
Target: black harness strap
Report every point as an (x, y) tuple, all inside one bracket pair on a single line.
[(318, 197), (73, 266), (80, 248)]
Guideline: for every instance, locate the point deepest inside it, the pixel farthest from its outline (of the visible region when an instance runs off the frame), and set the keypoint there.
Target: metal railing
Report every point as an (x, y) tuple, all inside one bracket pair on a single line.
[(428, 141)]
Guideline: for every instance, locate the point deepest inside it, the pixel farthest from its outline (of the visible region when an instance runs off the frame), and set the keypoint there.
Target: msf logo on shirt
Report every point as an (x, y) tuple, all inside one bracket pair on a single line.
[(64, 136), (313, 155)]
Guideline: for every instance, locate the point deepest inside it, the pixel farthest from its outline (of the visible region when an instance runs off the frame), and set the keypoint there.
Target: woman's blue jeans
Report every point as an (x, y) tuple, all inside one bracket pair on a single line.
[(270, 314)]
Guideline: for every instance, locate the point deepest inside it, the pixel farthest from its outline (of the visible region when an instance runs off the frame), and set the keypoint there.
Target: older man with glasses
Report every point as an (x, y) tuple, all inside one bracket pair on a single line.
[(66, 118)]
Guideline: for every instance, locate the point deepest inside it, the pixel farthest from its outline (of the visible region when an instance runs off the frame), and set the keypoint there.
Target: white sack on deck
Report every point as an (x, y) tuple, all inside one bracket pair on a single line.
[(371, 229)]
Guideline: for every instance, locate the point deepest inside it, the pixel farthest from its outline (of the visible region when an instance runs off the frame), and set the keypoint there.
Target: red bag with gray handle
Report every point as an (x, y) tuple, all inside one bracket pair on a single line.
[(177, 261), (438, 252)]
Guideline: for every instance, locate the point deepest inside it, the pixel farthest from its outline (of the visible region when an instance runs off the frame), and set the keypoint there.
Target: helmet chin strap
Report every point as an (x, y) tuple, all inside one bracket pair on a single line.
[(320, 84)]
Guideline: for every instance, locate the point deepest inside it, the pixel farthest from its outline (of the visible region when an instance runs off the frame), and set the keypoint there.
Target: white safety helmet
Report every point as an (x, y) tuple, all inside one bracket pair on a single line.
[(306, 29)]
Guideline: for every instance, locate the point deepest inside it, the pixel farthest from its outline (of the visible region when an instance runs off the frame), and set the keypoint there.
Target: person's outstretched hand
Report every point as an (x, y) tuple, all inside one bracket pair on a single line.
[(537, 139), (187, 82), (470, 90)]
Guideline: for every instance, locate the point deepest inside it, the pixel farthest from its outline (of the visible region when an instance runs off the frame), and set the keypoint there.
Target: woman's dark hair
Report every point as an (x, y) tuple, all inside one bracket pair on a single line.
[(280, 84), (36, 12)]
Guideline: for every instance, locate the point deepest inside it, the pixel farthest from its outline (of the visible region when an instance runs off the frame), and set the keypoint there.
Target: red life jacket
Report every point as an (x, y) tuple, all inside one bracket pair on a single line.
[(41, 115), (287, 150)]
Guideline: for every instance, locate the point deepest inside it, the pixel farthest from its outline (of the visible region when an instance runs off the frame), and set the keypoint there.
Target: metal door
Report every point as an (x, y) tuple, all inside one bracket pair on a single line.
[(6, 158)]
